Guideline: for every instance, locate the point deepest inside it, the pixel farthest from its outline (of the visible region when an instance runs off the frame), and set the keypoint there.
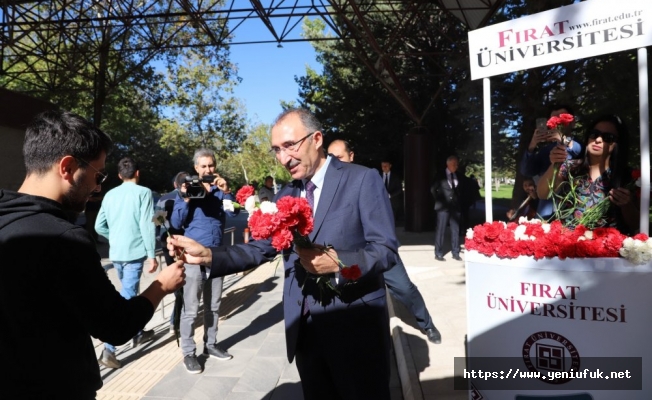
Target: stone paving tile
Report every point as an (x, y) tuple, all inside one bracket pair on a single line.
[(249, 396), (211, 387), (273, 346), (261, 375), (233, 368), (174, 385), (290, 373)]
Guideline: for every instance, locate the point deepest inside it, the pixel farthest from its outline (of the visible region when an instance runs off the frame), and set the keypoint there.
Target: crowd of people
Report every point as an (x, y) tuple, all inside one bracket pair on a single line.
[(65, 162), (62, 174)]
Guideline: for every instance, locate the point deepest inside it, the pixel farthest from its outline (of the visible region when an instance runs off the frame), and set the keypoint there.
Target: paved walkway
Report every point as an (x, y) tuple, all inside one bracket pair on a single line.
[(251, 328)]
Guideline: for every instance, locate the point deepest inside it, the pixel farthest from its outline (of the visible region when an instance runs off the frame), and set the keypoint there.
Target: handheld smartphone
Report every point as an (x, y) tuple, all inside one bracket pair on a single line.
[(542, 124)]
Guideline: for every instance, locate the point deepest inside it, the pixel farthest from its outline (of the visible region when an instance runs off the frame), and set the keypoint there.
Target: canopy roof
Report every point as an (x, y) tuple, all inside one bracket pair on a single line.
[(64, 38)]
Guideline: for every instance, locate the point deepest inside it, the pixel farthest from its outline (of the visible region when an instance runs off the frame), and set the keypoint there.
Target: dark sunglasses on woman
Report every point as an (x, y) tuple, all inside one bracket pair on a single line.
[(607, 137)]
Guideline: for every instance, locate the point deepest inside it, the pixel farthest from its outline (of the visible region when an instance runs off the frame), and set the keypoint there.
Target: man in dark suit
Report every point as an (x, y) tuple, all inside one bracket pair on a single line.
[(341, 344), (449, 191), (394, 187), (397, 279)]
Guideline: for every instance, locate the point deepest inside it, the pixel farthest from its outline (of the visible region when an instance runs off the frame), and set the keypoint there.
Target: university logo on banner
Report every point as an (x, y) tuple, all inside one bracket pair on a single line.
[(581, 30)]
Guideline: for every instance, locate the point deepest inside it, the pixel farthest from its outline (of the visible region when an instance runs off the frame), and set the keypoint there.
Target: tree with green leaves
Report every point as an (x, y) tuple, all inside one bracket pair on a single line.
[(202, 111)]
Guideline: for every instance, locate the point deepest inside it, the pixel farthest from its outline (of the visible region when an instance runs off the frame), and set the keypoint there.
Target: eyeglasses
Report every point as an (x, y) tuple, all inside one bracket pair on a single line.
[(292, 146), (99, 179), (607, 137)]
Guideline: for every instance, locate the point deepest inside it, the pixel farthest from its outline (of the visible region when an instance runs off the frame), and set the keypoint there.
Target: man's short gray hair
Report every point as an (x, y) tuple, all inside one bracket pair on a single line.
[(203, 153), (308, 119)]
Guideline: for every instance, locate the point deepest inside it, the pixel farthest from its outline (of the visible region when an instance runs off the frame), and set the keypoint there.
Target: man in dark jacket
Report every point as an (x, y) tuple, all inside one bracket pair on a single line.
[(452, 193), (53, 284), (394, 186)]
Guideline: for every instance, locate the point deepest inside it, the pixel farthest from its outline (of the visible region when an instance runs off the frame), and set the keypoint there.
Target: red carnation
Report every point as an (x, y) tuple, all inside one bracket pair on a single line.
[(553, 122), (351, 273), (244, 193), (493, 230), (282, 239), (641, 236), (636, 174), (566, 119)]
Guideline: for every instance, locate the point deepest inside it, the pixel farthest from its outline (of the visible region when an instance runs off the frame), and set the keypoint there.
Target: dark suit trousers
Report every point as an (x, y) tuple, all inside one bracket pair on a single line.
[(443, 218), (351, 368), (402, 289)]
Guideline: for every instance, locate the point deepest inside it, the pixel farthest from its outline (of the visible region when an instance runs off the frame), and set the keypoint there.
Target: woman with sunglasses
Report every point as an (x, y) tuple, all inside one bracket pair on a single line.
[(602, 173)]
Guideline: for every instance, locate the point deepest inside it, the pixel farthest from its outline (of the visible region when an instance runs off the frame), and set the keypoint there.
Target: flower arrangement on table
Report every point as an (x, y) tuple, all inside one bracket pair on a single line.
[(539, 239), (289, 221)]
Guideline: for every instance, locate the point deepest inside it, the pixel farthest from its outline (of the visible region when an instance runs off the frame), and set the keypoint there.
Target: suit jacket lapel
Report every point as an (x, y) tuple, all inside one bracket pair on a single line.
[(331, 184)]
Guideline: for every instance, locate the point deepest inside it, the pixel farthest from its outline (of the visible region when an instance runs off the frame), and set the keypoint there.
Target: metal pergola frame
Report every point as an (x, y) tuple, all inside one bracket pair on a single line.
[(46, 44)]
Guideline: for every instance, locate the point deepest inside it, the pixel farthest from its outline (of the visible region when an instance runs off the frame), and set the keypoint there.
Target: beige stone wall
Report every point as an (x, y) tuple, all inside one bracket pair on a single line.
[(12, 167)]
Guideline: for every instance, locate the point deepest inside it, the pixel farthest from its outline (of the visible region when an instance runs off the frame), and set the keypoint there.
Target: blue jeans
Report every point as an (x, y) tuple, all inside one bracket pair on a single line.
[(129, 274)]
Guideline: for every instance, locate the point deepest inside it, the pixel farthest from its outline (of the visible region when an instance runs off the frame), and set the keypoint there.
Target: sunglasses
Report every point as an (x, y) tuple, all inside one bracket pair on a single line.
[(99, 177), (607, 137)]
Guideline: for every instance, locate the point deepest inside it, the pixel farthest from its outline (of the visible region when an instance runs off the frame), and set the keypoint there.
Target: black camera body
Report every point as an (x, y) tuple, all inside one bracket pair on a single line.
[(194, 186)]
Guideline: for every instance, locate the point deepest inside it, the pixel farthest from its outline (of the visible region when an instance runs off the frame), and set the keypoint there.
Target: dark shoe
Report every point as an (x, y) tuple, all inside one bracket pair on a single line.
[(433, 335), (108, 360), (192, 365), (145, 336), (440, 258), (457, 257), (216, 352)]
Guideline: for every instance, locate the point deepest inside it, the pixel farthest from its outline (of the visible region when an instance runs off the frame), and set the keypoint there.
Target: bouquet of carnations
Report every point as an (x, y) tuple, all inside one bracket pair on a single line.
[(538, 239), (289, 221)]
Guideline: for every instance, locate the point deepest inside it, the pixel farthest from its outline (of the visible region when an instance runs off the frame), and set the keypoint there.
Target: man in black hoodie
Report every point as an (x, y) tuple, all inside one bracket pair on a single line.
[(54, 293)]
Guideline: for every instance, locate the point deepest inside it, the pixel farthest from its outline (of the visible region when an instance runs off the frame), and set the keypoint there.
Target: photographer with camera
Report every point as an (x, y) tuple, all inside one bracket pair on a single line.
[(199, 211)]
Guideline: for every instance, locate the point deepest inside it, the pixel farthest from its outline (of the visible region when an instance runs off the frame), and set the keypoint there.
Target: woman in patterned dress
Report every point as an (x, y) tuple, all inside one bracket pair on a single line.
[(602, 173)]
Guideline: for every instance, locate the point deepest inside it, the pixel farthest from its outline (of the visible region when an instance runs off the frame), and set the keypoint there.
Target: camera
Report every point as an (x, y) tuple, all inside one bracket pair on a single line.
[(194, 186)]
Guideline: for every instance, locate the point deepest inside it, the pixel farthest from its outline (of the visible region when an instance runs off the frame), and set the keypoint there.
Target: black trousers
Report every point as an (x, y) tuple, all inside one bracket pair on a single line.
[(444, 217), (350, 362)]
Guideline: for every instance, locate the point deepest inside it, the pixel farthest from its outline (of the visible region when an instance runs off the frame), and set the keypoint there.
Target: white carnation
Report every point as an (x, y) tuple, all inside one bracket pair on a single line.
[(636, 251), (159, 217), (268, 207), (250, 203), (228, 205), (519, 233), (469, 233)]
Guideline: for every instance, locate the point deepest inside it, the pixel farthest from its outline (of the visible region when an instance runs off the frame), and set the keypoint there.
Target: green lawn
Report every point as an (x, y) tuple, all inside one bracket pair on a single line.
[(501, 197)]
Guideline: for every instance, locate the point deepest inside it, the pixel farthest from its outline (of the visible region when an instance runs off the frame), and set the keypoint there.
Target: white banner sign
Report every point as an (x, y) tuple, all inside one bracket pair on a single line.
[(558, 329), (581, 30)]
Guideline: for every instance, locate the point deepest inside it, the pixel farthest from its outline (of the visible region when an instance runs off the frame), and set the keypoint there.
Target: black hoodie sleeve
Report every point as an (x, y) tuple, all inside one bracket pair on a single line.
[(83, 284)]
